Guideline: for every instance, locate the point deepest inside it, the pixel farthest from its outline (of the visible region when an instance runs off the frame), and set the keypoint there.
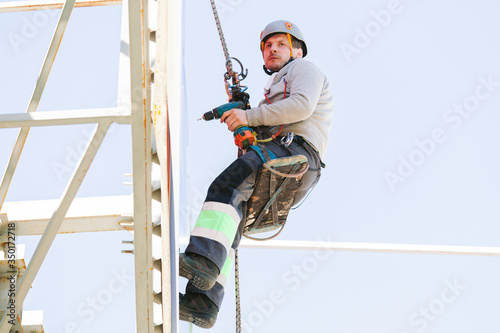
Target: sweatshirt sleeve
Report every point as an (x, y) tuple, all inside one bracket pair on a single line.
[(305, 82)]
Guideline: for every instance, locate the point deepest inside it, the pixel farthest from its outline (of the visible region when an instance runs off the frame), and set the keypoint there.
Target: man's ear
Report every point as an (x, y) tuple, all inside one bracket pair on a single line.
[(297, 53)]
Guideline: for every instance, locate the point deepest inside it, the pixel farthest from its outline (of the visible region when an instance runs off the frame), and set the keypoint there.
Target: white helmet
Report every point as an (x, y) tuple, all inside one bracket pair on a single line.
[(284, 27)]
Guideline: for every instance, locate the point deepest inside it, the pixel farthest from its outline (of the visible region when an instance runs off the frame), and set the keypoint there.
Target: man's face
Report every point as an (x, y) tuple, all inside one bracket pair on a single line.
[(276, 52)]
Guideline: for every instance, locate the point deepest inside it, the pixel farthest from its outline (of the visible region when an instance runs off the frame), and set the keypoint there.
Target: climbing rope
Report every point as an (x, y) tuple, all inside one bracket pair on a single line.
[(237, 292), (230, 74), (229, 64), (219, 29)]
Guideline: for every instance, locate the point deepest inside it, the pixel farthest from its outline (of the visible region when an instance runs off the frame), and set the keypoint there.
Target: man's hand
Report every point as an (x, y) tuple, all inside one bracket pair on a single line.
[(234, 118)]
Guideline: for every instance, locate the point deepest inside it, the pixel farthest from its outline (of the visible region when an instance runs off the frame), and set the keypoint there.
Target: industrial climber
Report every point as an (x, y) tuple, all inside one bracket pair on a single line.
[(298, 97)]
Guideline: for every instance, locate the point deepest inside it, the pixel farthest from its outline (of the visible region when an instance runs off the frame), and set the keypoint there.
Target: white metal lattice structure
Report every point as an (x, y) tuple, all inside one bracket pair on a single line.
[(135, 107)]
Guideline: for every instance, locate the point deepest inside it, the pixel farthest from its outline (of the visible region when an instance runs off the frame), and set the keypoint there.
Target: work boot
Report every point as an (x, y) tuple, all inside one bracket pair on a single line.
[(197, 309), (199, 270)]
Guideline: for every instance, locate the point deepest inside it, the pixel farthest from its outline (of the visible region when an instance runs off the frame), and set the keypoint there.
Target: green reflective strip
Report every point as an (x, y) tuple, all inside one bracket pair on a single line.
[(226, 269), (219, 221)]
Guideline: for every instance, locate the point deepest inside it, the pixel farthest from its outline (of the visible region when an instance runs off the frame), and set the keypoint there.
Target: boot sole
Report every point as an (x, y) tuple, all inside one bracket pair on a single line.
[(201, 280), (197, 321)]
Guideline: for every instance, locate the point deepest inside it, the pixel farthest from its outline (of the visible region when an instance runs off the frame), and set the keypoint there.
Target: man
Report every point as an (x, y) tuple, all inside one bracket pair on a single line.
[(297, 96)]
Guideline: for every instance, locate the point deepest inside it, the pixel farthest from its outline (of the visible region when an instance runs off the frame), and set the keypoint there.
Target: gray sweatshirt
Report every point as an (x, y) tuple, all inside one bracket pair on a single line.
[(307, 109)]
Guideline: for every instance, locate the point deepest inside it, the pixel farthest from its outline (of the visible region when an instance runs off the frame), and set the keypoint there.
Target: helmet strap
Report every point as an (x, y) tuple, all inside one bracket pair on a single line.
[(270, 72), (267, 71), (291, 47)]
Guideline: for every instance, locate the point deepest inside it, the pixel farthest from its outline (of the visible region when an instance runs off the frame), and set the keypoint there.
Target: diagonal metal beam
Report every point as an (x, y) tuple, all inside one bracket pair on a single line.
[(17, 6), (57, 219), (36, 96)]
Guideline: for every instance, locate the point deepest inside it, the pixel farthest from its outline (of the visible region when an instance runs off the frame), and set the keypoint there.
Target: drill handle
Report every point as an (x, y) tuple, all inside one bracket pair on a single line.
[(217, 112)]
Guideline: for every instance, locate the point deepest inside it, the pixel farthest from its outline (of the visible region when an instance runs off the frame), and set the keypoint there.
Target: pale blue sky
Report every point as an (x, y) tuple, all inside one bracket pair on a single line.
[(399, 71)]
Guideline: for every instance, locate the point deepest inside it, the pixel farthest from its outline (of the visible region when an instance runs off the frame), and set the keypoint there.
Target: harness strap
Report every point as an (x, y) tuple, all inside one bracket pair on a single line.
[(274, 205), (264, 153)]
